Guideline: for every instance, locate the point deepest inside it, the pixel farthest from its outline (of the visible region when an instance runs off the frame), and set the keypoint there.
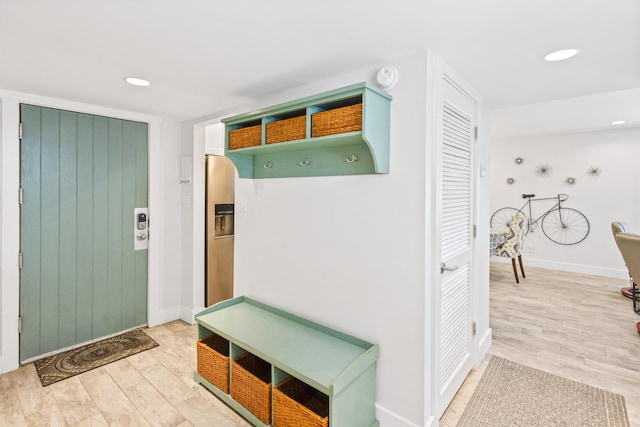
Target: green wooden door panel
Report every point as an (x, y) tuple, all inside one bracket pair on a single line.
[(116, 226), (50, 231), (68, 237), (128, 204), (85, 218), (100, 224), (30, 236), (141, 197), (82, 176)]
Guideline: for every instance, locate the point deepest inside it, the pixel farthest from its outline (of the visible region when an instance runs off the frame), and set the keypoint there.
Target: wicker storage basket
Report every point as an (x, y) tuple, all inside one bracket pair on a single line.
[(287, 130), (337, 120), (296, 404), (251, 385), (245, 137), (213, 361)]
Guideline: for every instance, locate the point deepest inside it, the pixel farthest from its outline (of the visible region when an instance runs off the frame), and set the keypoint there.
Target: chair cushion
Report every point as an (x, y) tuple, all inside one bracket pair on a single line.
[(629, 245), (512, 247)]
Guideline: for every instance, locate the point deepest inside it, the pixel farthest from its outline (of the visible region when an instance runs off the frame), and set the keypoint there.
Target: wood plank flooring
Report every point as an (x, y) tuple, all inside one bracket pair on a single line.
[(152, 388), (573, 325)]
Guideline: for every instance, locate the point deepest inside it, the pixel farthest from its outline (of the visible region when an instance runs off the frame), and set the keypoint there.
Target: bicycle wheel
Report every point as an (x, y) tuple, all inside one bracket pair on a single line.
[(565, 226), (502, 217)]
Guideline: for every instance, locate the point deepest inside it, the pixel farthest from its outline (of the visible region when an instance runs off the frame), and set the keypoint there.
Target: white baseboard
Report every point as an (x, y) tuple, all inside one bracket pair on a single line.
[(592, 270), (165, 315), (391, 419), (189, 315), (9, 362), (174, 313), (484, 345)]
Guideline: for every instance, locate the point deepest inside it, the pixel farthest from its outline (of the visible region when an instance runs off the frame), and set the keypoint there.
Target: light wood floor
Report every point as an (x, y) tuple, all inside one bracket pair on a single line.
[(576, 326), (155, 387)]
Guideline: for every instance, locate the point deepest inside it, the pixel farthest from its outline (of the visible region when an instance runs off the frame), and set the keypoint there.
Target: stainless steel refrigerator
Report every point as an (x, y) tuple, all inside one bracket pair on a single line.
[(220, 198)]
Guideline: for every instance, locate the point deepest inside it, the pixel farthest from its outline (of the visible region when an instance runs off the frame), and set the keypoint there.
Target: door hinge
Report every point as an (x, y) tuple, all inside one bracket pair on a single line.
[(20, 260), (475, 133), (19, 325), (20, 196), (475, 231), (473, 328), (20, 131)]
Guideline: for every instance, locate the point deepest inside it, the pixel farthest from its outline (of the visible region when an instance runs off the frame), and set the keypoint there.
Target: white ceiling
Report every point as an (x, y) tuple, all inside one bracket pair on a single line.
[(204, 56), (579, 114)]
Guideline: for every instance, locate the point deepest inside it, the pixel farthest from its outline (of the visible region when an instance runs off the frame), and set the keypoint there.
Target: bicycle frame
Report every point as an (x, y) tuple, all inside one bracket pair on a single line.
[(560, 198), (562, 225)]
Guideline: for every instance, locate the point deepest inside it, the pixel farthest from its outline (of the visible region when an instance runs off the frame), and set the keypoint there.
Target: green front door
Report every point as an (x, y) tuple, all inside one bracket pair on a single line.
[(81, 178)]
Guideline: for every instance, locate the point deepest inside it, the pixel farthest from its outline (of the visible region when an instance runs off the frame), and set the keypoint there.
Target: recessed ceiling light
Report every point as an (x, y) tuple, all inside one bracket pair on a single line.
[(618, 122), (559, 55), (137, 81)]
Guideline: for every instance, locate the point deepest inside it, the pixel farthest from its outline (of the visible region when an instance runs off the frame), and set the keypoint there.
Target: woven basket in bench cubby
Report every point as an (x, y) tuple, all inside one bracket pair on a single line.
[(287, 130), (296, 404), (251, 385), (213, 361), (249, 136), (337, 120)]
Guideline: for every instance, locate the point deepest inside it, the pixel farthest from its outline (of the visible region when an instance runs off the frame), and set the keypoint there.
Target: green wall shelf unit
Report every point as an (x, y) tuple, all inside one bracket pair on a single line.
[(342, 152), (338, 365)]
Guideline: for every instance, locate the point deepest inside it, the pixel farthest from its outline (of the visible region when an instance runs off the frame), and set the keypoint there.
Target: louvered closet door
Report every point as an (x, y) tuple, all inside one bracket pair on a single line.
[(456, 228), (81, 176)]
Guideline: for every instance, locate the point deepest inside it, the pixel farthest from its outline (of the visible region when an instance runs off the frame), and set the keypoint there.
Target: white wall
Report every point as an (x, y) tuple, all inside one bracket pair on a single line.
[(349, 251), (613, 196), (214, 139), (345, 251), (164, 214), (166, 221), (482, 212)]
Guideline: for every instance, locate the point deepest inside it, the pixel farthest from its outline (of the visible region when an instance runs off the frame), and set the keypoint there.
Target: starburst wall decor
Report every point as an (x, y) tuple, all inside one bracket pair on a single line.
[(594, 171), (543, 171)]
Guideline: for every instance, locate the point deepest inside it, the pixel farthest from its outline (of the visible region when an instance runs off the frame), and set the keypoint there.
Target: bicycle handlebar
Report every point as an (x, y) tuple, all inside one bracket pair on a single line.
[(561, 197)]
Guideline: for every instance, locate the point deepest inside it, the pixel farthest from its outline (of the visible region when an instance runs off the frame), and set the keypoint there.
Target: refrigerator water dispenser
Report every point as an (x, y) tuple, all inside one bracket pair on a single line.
[(224, 219)]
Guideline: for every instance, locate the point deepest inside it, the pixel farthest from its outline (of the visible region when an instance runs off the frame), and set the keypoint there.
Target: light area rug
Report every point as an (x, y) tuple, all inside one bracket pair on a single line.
[(510, 394), (82, 359)]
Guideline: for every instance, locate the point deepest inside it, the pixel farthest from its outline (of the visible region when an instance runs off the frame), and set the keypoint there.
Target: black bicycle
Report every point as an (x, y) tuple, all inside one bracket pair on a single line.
[(565, 226)]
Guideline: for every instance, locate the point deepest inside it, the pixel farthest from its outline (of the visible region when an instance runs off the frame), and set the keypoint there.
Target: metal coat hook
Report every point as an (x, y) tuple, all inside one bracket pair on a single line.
[(305, 162), (352, 159), (267, 165)]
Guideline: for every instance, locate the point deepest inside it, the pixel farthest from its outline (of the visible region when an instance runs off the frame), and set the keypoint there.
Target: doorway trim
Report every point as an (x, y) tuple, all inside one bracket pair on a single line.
[(437, 71), (10, 212)]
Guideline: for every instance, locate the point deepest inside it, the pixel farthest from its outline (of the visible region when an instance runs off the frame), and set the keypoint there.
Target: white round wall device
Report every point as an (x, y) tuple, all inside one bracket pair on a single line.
[(387, 78)]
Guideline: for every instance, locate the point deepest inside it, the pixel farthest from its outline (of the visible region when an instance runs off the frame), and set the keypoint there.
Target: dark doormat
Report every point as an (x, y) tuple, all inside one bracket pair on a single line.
[(73, 362)]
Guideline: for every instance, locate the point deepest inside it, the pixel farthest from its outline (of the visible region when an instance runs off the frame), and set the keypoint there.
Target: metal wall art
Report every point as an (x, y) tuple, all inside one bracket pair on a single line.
[(519, 160), (594, 171), (571, 181), (510, 181), (543, 171)]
